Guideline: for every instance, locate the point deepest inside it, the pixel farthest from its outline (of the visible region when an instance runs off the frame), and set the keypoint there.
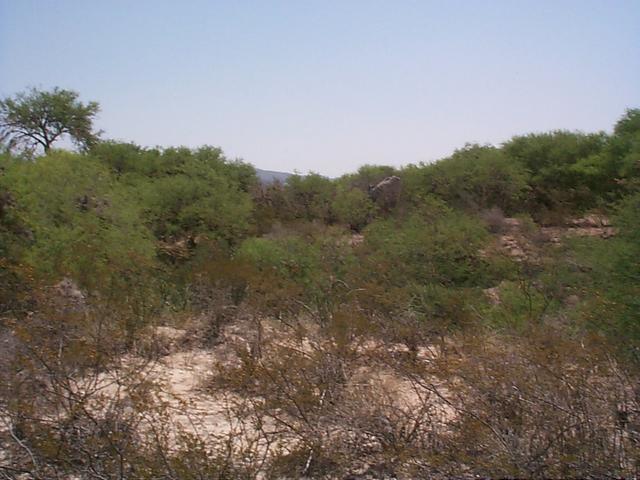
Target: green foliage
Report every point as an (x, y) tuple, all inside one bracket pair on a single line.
[(126, 158), (13, 236), (79, 223), (559, 163), (442, 250), (37, 118), (442, 310), (306, 268), (187, 193), (354, 334), (628, 127), (309, 197), (624, 151), (623, 288), (353, 207), (11, 226), (367, 176), (605, 276), (183, 205), (521, 305), (292, 258), (474, 178)]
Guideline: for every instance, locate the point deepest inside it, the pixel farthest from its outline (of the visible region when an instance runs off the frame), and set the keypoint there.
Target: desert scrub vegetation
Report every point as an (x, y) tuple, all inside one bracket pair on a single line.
[(164, 315)]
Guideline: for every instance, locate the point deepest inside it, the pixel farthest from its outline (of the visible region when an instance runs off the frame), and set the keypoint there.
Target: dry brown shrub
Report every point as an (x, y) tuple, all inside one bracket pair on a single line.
[(542, 406), (332, 408), (75, 404)]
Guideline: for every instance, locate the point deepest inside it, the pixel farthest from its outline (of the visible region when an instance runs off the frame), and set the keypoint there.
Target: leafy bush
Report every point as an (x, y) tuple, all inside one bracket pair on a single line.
[(608, 278), (290, 257), (444, 250), (559, 163), (366, 176), (353, 208), (474, 178), (198, 192), (81, 224), (309, 197)]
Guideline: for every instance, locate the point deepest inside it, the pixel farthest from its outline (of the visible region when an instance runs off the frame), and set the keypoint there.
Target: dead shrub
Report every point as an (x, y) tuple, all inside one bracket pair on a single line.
[(542, 406)]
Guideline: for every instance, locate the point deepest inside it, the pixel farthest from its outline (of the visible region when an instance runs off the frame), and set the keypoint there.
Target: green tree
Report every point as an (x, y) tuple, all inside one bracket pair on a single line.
[(625, 147), (36, 118), (353, 207), (559, 163), (441, 249), (197, 192), (615, 170), (611, 284), (629, 124), (474, 177), (75, 221), (367, 176), (310, 196), (126, 159)]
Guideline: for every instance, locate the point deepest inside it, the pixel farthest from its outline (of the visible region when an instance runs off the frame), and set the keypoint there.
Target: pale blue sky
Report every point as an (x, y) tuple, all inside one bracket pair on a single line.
[(330, 85)]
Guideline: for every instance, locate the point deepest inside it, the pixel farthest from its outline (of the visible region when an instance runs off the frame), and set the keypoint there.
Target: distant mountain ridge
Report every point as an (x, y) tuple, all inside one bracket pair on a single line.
[(270, 176)]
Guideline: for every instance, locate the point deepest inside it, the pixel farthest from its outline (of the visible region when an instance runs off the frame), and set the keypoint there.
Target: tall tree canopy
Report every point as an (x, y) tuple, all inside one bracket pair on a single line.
[(36, 118)]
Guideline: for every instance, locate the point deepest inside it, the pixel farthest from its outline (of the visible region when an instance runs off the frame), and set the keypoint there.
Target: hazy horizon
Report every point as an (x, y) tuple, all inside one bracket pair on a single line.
[(329, 86)]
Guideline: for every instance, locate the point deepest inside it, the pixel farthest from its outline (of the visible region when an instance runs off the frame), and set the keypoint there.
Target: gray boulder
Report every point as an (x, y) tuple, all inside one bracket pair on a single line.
[(386, 193)]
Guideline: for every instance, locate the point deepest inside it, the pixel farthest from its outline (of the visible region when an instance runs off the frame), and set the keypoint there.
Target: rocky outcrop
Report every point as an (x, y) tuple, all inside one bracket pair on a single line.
[(355, 240), (386, 193), (592, 225), (513, 242), (521, 243), (591, 221), (179, 249), (516, 247)]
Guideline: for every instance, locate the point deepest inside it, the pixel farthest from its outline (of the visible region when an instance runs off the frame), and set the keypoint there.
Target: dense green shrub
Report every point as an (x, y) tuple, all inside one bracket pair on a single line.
[(473, 178), (198, 192), (309, 197), (367, 176), (559, 163), (353, 207), (80, 223), (443, 250)]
